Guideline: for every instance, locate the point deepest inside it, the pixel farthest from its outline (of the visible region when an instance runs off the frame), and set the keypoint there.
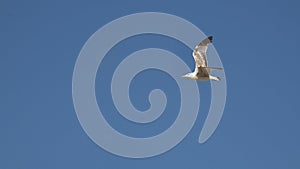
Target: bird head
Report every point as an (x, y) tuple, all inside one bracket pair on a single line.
[(189, 75)]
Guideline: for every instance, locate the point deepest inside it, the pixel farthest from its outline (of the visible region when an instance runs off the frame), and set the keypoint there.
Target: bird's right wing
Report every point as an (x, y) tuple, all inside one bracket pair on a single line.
[(199, 53)]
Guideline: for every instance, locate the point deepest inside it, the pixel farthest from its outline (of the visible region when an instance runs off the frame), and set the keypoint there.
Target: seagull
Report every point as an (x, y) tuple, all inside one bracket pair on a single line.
[(202, 71)]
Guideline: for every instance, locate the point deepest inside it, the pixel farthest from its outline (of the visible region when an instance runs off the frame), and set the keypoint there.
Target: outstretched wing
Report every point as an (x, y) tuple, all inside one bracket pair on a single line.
[(200, 52)]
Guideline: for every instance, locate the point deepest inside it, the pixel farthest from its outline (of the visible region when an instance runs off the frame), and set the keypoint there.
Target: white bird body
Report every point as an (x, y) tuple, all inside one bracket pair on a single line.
[(202, 71)]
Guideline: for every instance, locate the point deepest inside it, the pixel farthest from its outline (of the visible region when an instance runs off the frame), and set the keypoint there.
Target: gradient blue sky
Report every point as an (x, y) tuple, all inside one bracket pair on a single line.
[(256, 40)]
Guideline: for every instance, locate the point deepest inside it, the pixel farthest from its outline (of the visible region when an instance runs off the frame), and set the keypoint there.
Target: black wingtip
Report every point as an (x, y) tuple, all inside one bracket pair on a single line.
[(210, 38)]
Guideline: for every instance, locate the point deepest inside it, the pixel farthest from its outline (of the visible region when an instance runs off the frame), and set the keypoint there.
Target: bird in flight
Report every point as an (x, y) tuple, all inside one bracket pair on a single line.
[(202, 71)]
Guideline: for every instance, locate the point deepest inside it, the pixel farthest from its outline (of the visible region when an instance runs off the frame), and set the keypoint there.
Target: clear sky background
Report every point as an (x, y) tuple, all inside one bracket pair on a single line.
[(258, 42)]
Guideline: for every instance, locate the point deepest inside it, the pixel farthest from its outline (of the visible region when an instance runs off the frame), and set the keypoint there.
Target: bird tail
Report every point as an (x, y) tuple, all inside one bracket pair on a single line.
[(215, 78)]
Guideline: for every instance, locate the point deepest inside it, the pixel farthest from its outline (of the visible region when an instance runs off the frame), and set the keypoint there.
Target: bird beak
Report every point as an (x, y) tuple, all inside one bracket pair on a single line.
[(184, 76)]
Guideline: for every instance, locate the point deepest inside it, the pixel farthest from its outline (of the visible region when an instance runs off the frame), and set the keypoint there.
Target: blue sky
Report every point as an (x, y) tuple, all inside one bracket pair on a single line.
[(256, 40)]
